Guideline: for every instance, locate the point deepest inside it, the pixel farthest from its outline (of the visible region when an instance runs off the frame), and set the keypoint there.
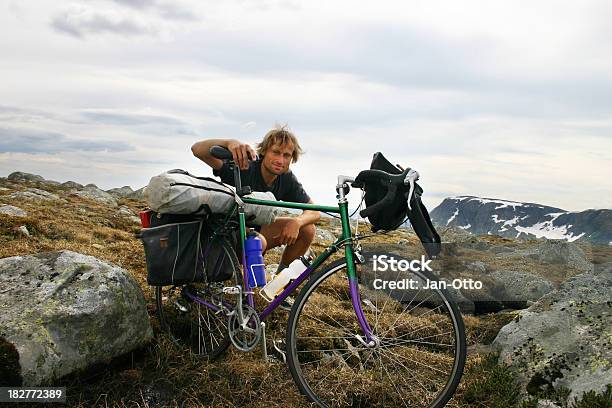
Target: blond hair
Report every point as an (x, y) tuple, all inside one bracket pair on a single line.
[(280, 135)]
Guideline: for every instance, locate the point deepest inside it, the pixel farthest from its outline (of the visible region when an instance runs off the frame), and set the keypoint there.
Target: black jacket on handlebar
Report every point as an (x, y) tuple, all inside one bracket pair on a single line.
[(386, 198)]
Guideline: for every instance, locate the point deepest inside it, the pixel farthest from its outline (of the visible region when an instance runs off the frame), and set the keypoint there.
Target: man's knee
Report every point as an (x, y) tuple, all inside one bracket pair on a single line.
[(307, 233), (264, 241)]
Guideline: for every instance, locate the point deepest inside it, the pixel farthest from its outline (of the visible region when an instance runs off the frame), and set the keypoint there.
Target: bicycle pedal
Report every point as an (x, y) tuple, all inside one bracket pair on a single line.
[(274, 360), (231, 290)]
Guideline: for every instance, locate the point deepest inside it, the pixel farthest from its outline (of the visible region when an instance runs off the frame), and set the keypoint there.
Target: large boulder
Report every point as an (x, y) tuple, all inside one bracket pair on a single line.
[(126, 212), (64, 311), (34, 194), (556, 251), (12, 210), (94, 193), (563, 340), (521, 287), (72, 184), (21, 176), (124, 191), (138, 194)]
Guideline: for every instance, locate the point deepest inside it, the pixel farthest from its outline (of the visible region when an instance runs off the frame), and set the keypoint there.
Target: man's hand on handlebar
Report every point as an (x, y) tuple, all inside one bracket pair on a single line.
[(242, 153)]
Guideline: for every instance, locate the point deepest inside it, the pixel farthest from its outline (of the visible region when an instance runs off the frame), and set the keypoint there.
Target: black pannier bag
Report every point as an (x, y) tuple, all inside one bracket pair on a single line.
[(181, 249), (219, 243), (393, 215), (172, 252)]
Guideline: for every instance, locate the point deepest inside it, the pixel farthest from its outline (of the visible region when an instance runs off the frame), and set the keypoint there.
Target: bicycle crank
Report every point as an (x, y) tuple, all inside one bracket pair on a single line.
[(245, 328)]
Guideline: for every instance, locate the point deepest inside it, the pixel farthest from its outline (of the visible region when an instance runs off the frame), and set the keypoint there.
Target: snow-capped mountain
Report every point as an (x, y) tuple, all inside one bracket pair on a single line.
[(522, 220)]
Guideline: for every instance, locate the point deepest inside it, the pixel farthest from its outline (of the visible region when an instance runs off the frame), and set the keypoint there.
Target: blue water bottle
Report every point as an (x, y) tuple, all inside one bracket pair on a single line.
[(256, 270)]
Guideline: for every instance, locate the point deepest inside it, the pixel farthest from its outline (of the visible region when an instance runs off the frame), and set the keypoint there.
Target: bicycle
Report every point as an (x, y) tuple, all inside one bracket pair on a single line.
[(379, 348)]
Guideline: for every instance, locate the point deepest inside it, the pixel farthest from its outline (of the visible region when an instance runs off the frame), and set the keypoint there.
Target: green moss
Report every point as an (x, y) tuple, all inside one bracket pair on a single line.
[(594, 400), (85, 267), (40, 360), (497, 389)]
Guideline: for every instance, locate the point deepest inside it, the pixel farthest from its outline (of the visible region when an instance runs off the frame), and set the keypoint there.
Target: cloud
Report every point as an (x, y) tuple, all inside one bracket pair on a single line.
[(169, 10), (80, 22), (248, 125), (130, 119), (16, 114), (16, 140), (137, 4)]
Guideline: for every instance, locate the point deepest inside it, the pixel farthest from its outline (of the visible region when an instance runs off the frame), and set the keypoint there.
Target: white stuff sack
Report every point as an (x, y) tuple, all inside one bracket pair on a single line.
[(178, 192)]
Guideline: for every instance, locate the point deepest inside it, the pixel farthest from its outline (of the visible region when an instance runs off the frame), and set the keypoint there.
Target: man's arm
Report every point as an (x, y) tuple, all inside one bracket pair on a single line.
[(241, 152), (308, 216), (291, 229)]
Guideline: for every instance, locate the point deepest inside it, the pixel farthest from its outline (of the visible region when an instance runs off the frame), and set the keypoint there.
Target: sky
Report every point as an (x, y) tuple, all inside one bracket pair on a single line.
[(497, 99)]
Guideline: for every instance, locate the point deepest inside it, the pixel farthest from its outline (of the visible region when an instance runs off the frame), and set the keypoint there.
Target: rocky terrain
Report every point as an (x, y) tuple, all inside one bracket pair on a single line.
[(72, 275)]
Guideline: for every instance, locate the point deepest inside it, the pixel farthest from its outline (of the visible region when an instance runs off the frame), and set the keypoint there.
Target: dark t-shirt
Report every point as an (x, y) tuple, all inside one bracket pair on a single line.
[(285, 187)]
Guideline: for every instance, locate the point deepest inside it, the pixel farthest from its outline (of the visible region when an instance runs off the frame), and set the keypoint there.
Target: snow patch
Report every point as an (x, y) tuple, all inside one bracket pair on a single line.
[(495, 220), (546, 229), (504, 203), (469, 225), (453, 217), (459, 198), (509, 223)]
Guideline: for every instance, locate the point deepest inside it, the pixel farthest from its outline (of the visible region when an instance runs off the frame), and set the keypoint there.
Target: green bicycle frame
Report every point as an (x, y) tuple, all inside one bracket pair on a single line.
[(344, 240)]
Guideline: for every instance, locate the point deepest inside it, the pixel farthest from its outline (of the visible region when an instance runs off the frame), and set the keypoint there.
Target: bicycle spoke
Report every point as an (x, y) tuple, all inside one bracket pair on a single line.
[(412, 373), (389, 297), (322, 359), (327, 324), (413, 361), (393, 382), (393, 325), (419, 329), (403, 311), (320, 337)]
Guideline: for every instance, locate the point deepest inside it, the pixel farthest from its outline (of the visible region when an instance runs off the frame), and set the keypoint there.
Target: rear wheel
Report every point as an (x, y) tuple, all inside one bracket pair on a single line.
[(419, 359), (195, 315)]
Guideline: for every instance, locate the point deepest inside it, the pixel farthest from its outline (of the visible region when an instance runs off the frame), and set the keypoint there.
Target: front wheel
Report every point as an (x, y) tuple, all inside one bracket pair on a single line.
[(418, 361)]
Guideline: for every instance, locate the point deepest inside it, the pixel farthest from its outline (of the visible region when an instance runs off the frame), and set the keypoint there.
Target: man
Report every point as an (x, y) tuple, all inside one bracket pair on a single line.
[(278, 149)]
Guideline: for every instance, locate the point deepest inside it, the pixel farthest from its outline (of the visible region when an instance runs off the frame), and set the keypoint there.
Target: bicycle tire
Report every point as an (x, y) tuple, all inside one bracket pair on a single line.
[(363, 381), (200, 329)]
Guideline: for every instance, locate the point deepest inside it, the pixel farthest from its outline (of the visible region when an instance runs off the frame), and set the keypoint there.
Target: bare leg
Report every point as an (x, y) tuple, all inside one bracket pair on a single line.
[(271, 232)]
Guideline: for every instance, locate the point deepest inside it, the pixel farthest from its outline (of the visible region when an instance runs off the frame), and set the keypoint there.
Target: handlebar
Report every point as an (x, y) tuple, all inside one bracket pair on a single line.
[(392, 181), (221, 153)]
